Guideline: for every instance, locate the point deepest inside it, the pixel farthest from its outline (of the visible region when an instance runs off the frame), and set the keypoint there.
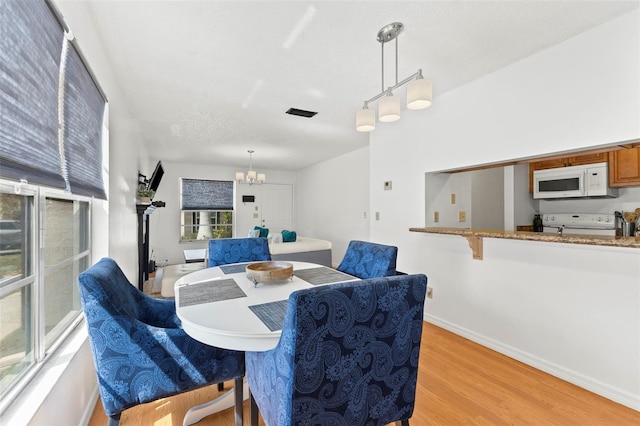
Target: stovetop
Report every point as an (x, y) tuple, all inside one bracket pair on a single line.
[(579, 220)]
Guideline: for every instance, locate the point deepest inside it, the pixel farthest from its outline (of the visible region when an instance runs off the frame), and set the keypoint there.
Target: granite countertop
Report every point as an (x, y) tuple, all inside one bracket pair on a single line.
[(595, 240)]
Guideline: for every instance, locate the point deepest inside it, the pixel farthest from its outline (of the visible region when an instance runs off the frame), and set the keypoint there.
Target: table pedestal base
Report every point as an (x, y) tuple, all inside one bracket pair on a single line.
[(227, 400)]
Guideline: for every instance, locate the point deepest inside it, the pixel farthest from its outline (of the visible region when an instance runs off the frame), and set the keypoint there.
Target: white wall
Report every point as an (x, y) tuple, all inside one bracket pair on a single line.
[(332, 201), (571, 310), (164, 223)]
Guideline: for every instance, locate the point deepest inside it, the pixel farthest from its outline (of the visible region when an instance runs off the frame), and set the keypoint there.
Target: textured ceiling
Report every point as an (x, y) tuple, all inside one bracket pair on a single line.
[(208, 80)]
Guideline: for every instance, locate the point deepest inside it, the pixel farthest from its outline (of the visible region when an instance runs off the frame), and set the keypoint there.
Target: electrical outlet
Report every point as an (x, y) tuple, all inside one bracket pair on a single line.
[(462, 216), (429, 293), (453, 198), (364, 215), (387, 185), (377, 215)]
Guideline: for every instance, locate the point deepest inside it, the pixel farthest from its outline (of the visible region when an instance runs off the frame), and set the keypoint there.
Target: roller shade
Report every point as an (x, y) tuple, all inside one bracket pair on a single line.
[(45, 86), (201, 194)]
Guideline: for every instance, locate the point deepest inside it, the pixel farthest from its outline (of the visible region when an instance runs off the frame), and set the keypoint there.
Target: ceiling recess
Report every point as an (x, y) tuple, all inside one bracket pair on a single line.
[(301, 112)]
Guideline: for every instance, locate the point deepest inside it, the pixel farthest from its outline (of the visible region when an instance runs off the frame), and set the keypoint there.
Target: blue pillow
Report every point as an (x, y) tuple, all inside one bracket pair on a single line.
[(264, 232), (289, 236)]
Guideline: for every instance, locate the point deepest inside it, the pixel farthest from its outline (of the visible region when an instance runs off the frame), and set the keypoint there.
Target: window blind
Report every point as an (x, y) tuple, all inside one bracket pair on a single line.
[(34, 58), (201, 194), (30, 50), (83, 117)]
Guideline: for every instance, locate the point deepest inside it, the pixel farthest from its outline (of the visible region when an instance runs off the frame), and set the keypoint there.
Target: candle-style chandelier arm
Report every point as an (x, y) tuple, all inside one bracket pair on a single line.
[(416, 76)]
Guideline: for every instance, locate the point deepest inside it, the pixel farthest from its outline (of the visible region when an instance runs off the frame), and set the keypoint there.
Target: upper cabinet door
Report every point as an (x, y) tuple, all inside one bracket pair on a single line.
[(624, 167)]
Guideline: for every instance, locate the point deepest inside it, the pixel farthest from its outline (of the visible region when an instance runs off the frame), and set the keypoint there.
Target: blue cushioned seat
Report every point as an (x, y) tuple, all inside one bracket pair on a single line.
[(369, 260), (348, 355), (223, 251), (140, 351)]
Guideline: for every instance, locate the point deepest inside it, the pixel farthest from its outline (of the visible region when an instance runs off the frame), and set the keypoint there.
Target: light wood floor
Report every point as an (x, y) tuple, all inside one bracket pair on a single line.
[(459, 383)]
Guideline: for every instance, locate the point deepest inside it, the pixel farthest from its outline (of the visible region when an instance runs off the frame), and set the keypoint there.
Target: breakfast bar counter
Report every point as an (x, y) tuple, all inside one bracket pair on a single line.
[(474, 236)]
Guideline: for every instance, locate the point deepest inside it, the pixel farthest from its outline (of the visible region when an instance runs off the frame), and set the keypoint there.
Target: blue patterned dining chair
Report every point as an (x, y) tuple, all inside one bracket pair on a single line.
[(223, 251), (348, 355), (369, 260), (140, 351)]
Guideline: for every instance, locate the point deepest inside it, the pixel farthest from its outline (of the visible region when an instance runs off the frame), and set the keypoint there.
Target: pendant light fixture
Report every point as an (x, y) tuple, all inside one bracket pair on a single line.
[(419, 92), (252, 175)]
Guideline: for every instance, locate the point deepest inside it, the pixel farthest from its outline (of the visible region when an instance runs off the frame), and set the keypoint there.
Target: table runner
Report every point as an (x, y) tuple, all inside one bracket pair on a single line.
[(322, 275), (209, 291), (271, 313)]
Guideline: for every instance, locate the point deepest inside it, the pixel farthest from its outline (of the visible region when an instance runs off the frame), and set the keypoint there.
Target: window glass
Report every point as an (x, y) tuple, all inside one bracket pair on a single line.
[(61, 299), (206, 225), (65, 232), (16, 336), (17, 332)]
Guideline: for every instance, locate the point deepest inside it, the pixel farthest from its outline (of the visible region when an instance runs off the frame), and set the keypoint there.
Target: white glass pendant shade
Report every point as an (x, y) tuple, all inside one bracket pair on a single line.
[(261, 177), (365, 120), (239, 176), (251, 175), (389, 108), (418, 94)]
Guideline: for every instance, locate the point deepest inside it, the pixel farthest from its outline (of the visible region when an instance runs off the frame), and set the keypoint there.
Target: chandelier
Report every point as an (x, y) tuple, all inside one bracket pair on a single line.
[(252, 176), (418, 89)]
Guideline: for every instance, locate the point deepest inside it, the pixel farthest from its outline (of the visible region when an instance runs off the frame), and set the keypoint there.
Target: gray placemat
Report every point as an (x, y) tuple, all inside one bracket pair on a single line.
[(271, 313), (322, 275), (209, 291), (233, 268)]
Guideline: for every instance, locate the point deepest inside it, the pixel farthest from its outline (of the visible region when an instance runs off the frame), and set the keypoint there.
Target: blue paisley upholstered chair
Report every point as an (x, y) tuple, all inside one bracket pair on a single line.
[(140, 351), (369, 260), (224, 251), (348, 355)]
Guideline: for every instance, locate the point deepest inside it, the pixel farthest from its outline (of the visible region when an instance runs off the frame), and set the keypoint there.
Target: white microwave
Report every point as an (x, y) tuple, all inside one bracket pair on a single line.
[(589, 180)]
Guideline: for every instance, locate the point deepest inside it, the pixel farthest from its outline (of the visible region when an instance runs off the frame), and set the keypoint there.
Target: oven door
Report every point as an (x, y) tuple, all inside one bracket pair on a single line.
[(566, 182)]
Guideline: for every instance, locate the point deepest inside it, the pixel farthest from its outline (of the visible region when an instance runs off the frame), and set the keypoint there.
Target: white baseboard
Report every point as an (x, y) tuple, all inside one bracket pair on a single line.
[(88, 410), (614, 394)]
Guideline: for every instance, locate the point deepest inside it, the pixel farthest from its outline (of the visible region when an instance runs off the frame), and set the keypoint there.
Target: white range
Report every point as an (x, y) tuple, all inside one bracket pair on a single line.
[(580, 223)]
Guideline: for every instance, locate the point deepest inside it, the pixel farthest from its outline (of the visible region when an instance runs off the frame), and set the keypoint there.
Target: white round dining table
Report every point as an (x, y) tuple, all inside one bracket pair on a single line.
[(233, 323)]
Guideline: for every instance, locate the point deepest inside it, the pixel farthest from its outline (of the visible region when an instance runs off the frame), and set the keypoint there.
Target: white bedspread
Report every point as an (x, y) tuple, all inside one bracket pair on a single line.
[(301, 245)]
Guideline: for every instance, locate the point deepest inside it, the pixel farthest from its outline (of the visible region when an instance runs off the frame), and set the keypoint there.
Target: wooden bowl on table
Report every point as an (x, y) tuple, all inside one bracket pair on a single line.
[(269, 272)]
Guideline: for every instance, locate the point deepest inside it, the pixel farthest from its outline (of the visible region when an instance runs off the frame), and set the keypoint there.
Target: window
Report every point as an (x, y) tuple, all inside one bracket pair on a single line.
[(207, 209), (39, 301), (51, 144)]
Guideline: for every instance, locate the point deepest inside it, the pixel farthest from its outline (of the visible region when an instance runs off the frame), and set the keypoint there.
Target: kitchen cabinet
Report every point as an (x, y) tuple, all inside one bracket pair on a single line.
[(576, 160), (624, 167)]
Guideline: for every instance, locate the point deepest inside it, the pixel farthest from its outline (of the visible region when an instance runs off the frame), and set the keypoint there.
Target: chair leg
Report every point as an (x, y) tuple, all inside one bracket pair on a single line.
[(220, 386), (114, 420), (402, 422), (253, 410), (238, 387)]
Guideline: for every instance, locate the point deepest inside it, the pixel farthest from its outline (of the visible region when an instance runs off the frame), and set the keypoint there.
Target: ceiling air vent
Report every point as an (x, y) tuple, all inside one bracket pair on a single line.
[(301, 112)]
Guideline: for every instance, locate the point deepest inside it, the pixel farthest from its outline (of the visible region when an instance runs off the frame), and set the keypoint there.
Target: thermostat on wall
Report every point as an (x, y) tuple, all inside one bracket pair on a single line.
[(248, 198)]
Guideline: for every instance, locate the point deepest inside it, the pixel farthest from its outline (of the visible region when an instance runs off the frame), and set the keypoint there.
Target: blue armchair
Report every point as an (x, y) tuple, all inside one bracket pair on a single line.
[(140, 351), (223, 251), (348, 355), (369, 260)]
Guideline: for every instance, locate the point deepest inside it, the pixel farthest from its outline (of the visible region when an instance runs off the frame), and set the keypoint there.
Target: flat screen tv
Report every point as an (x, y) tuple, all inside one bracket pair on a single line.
[(156, 177)]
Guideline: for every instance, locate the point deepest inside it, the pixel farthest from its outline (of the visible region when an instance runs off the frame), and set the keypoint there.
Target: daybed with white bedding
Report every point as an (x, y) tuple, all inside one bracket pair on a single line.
[(304, 249)]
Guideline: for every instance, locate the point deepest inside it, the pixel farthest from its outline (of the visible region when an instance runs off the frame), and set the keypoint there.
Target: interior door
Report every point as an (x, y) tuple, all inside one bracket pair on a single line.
[(277, 207)]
